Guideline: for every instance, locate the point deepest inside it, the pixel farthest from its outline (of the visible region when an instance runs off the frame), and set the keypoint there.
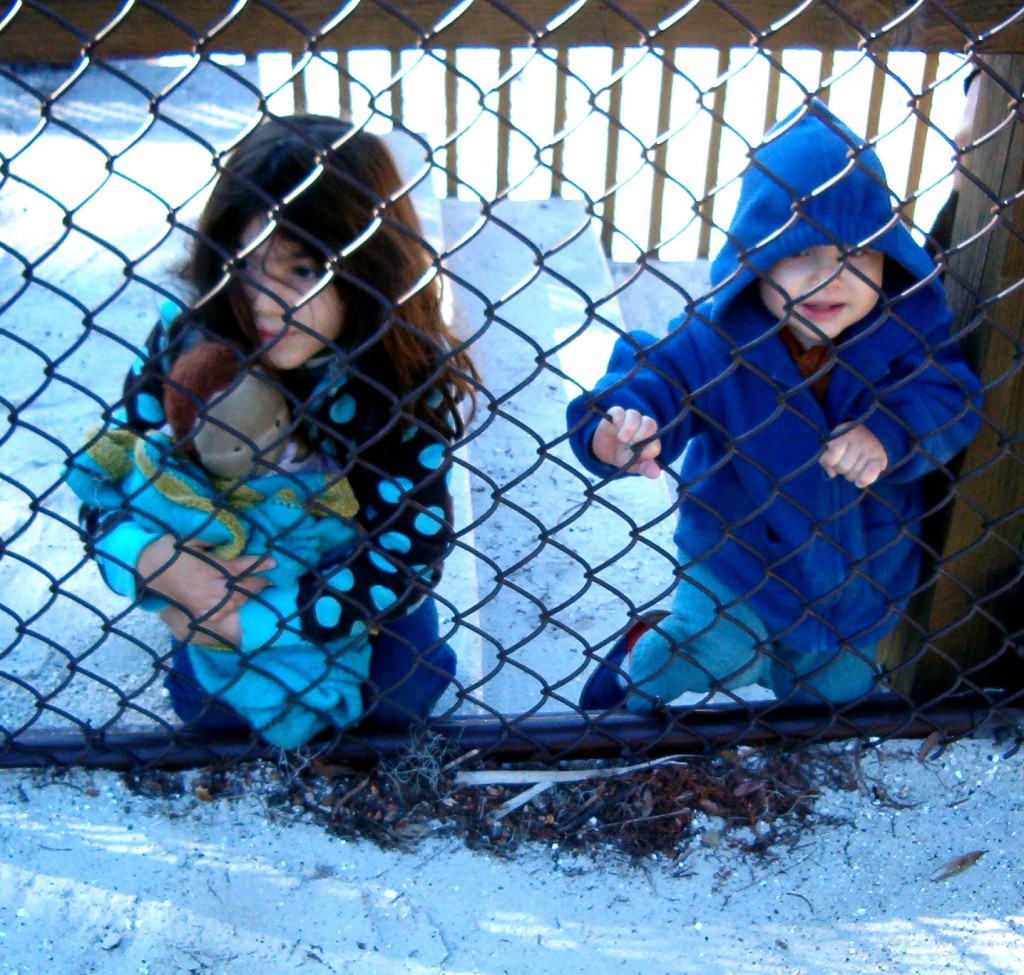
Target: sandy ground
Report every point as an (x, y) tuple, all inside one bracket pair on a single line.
[(94, 878)]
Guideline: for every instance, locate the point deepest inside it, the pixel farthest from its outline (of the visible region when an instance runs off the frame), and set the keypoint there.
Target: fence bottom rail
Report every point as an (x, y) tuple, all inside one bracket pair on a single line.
[(545, 738)]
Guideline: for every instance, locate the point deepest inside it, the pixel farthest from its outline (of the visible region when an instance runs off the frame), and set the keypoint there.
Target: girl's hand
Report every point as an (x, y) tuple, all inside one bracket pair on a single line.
[(615, 439), (225, 631), (856, 454), (203, 591)]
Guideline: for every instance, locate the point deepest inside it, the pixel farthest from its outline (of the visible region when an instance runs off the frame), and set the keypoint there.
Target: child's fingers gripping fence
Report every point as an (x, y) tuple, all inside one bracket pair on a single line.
[(434, 232)]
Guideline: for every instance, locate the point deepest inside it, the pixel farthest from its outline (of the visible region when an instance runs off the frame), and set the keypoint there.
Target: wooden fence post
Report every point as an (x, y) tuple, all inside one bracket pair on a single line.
[(961, 617)]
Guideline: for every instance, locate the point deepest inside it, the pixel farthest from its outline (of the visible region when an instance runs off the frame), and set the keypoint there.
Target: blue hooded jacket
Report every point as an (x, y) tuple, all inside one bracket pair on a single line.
[(821, 561)]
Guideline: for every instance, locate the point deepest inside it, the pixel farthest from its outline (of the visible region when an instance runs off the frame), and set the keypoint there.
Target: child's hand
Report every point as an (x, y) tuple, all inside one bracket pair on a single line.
[(224, 631), (855, 453), (203, 591), (616, 436)]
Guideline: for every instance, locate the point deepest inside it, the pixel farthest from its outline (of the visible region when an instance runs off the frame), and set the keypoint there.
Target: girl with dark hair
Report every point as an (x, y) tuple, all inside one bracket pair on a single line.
[(308, 257)]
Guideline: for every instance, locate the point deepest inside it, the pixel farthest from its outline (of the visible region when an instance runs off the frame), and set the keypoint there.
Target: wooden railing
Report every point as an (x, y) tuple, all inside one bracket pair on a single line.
[(647, 159), (549, 35)]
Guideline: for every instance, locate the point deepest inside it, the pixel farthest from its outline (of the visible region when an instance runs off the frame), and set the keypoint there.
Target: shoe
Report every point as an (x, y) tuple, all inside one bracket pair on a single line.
[(604, 691)]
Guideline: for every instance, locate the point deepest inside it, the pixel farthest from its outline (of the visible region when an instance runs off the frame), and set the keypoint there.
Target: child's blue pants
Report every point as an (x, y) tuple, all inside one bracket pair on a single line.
[(712, 639)]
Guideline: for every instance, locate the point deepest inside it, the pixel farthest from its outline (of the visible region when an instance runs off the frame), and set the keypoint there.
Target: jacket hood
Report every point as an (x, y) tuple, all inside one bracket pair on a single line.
[(811, 182)]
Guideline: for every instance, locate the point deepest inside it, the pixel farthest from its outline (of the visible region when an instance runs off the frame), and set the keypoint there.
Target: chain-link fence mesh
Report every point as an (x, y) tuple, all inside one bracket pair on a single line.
[(568, 185)]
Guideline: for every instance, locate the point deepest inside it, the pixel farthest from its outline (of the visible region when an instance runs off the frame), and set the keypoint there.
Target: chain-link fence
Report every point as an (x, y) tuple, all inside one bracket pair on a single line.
[(832, 548)]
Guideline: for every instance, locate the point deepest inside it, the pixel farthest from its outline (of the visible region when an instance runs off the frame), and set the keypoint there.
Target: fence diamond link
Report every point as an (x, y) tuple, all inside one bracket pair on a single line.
[(573, 171)]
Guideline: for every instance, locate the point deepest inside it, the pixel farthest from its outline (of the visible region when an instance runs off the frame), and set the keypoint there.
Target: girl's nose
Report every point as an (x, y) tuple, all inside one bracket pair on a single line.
[(265, 300)]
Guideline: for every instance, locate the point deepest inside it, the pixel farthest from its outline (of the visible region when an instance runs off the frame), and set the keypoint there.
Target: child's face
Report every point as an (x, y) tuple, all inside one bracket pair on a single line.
[(297, 311), (820, 294)]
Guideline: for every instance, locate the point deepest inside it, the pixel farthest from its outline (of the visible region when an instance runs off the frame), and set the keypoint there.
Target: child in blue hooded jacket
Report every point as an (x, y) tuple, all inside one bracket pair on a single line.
[(807, 396)]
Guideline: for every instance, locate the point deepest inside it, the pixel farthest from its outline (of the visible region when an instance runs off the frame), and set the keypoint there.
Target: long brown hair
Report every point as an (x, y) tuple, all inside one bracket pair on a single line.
[(335, 191)]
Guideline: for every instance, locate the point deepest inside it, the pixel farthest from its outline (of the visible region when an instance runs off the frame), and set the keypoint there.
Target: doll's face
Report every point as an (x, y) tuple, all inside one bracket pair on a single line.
[(820, 292), (296, 307), (242, 433)]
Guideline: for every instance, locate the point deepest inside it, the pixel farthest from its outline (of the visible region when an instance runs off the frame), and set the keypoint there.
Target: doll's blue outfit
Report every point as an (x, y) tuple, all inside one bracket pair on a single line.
[(284, 685), (785, 577)]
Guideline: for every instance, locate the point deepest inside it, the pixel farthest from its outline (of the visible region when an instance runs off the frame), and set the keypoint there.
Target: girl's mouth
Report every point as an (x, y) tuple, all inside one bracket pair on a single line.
[(272, 336)]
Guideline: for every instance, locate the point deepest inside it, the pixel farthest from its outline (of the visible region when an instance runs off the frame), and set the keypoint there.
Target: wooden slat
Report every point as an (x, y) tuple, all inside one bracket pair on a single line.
[(397, 101), (299, 86), (504, 117), (923, 106), (705, 209), (344, 86), (668, 73), (451, 91), (828, 59), (771, 104), (878, 77), (611, 165), (558, 138), (62, 29)]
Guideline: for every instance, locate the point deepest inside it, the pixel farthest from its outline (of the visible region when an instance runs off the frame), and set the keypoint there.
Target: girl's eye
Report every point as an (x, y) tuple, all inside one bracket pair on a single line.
[(306, 272)]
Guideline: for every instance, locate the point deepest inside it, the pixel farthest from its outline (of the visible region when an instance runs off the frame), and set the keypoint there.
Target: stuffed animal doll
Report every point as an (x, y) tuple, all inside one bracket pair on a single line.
[(227, 476)]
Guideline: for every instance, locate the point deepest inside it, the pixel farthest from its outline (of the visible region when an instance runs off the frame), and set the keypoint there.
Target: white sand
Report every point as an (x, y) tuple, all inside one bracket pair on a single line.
[(96, 879)]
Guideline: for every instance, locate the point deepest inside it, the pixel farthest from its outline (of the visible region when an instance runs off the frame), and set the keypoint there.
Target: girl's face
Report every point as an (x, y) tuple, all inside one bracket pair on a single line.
[(820, 292), (296, 308)]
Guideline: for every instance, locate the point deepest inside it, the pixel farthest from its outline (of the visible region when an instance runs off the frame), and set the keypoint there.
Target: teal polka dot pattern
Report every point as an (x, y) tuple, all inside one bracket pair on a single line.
[(409, 432), (149, 409), (343, 409), (169, 310), (358, 628), (327, 612), (382, 598), (395, 542), (391, 491), (432, 457), (137, 365), (435, 399), (119, 418), (341, 579), (329, 447), (382, 563), (429, 522)]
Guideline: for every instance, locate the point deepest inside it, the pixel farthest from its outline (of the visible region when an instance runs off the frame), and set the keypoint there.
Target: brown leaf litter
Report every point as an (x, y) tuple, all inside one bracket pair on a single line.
[(748, 799)]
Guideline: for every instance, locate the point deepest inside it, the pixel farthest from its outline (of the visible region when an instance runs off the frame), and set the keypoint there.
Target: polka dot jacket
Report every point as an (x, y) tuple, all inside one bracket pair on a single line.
[(397, 466)]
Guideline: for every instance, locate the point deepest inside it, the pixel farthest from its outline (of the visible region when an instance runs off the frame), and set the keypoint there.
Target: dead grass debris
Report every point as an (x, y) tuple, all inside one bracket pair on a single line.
[(757, 802)]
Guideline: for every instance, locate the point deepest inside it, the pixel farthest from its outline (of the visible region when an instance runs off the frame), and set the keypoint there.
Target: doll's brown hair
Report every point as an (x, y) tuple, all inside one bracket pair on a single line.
[(198, 375)]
